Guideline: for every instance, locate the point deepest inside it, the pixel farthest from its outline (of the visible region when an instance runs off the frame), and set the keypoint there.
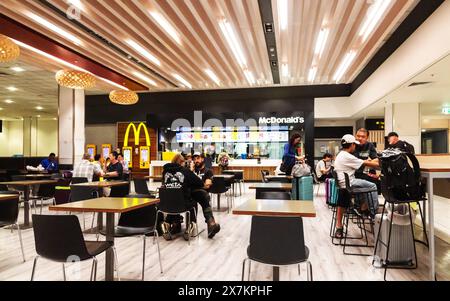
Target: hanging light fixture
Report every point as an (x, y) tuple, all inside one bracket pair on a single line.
[(75, 79), (123, 97), (9, 51)]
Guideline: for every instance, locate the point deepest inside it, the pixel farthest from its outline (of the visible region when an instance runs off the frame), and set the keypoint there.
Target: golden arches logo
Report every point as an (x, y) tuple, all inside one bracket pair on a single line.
[(137, 133)]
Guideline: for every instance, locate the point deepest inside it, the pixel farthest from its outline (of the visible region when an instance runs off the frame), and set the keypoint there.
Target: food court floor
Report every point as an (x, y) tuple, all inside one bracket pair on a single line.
[(217, 259)]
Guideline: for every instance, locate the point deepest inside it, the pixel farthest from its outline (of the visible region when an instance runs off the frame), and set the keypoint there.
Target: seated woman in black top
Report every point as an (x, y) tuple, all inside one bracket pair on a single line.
[(115, 168)]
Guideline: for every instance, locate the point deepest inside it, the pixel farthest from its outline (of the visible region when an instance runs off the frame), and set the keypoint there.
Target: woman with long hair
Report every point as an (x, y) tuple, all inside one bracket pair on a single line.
[(289, 154)]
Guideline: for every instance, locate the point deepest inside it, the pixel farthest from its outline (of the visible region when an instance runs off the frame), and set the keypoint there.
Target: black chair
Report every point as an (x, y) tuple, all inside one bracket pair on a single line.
[(277, 241), (172, 202), (274, 195), (264, 173), (392, 201), (9, 212), (82, 193), (140, 222), (79, 180), (141, 188), (279, 180), (62, 195), (352, 213), (120, 191), (316, 180), (219, 187), (45, 192), (59, 238)]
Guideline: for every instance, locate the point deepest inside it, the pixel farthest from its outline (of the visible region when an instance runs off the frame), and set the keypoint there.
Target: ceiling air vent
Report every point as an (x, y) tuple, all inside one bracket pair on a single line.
[(415, 84)]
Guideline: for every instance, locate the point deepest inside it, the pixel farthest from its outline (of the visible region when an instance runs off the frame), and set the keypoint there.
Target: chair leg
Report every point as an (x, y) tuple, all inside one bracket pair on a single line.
[(310, 271), (159, 253), (378, 234), (116, 262), (423, 225), (21, 241), (188, 222), (143, 257), (412, 234), (299, 270), (34, 267), (388, 242), (94, 269), (64, 271), (249, 269), (243, 269)]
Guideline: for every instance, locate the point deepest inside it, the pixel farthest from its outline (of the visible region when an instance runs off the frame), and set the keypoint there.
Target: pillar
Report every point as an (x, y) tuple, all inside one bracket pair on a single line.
[(405, 120), (71, 125), (30, 136)]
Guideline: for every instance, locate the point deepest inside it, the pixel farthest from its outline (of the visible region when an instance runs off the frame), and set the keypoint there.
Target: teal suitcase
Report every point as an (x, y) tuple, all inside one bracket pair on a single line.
[(302, 188)]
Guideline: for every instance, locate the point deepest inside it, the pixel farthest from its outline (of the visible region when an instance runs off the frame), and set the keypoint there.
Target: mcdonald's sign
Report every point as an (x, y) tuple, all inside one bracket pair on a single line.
[(136, 132)]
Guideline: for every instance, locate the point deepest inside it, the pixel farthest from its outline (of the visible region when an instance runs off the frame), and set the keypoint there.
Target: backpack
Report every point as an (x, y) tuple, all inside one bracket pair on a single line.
[(301, 170), (400, 181)]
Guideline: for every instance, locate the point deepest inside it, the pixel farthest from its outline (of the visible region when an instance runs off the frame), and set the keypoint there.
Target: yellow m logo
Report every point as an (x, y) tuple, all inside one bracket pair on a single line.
[(136, 133)]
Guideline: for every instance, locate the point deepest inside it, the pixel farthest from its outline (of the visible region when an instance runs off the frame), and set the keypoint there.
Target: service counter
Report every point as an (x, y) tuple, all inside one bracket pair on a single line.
[(251, 167)]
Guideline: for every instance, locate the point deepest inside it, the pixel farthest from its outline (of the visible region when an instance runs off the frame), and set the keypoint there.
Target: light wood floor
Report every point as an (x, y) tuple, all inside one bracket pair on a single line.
[(219, 258)]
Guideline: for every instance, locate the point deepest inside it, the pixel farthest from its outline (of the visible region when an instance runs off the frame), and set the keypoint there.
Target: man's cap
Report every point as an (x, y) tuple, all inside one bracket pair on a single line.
[(349, 139)]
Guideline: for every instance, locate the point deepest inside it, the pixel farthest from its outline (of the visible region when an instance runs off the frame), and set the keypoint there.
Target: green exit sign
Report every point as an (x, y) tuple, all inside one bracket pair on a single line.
[(446, 110)]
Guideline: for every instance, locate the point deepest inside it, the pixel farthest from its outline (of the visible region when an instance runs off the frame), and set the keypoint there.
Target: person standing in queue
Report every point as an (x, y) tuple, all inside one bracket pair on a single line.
[(289, 155), (366, 150)]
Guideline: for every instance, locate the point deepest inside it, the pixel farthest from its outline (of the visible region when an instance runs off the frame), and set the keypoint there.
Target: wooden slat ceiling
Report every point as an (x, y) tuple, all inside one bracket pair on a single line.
[(202, 45)]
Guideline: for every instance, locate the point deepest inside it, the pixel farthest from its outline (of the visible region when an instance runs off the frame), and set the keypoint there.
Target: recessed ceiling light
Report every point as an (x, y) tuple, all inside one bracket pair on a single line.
[(232, 40), (321, 41), (63, 33), (12, 89), (374, 14), (76, 3), (182, 80), (144, 52), (38, 116), (1, 109), (9, 101), (17, 69), (348, 59), (55, 118), (166, 26), (145, 78), (213, 76), (39, 108), (283, 14)]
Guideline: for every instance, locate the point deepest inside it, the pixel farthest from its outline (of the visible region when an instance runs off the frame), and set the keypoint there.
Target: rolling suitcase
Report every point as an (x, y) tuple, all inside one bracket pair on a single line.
[(302, 188), (332, 192), (401, 249)]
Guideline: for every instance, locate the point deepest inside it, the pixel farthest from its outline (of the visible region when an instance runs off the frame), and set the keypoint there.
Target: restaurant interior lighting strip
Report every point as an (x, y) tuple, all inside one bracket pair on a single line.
[(232, 41), (144, 52), (283, 10), (77, 4), (312, 74), (67, 64), (63, 33), (321, 41), (166, 26), (250, 78), (285, 70), (348, 59), (145, 78), (213, 76), (373, 16), (182, 80)]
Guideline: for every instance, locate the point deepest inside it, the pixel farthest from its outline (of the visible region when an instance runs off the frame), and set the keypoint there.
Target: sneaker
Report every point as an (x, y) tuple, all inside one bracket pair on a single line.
[(189, 231), (213, 228), (165, 227)]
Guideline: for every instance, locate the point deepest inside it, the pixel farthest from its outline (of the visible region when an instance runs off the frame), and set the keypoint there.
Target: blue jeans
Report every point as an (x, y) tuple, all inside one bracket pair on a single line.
[(359, 185)]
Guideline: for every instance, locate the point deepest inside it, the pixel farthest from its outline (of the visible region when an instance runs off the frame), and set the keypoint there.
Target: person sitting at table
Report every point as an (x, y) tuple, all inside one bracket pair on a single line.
[(347, 163), (178, 176), (366, 150), (50, 164), (200, 169), (85, 169), (126, 171), (323, 168), (114, 171)]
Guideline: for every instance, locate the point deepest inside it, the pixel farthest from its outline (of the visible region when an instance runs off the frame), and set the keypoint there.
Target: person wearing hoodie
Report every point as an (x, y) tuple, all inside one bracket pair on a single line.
[(175, 175)]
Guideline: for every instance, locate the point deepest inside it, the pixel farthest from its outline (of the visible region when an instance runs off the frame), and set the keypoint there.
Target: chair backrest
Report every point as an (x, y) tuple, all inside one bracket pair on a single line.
[(59, 237), (81, 193), (9, 209), (62, 195), (172, 200), (264, 173), (144, 217), (277, 240), (274, 195), (347, 181), (218, 185), (78, 180), (140, 186), (238, 176), (279, 180), (46, 190), (120, 191)]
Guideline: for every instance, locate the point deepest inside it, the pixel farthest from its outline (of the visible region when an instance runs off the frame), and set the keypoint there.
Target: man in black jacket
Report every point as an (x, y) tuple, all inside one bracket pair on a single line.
[(395, 142), (175, 175)]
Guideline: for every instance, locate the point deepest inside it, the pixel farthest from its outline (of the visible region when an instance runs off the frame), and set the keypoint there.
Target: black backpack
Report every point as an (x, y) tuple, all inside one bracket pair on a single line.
[(399, 180)]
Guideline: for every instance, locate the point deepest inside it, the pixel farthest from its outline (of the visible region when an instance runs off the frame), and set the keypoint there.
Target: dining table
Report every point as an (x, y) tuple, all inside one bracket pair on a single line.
[(109, 206)]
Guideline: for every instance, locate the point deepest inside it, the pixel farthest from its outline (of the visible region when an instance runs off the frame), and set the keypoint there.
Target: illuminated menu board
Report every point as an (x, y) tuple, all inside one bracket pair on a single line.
[(251, 136)]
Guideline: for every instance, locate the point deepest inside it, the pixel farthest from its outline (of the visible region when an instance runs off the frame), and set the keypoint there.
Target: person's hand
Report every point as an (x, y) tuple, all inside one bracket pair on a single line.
[(192, 166)]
